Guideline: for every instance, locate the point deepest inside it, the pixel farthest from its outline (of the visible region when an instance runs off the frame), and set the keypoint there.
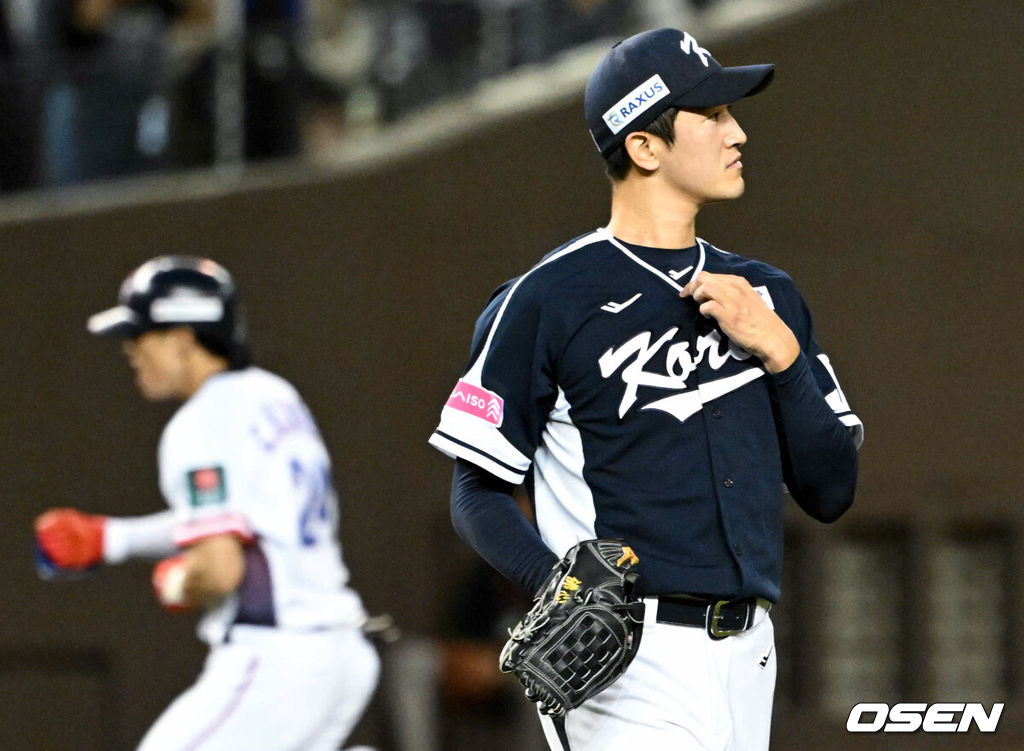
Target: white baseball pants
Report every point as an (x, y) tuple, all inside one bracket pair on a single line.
[(274, 690), (683, 692)]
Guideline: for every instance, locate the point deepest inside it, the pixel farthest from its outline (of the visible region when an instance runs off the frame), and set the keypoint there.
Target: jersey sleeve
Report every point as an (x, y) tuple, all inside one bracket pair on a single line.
[(203, 479), (497, 410), (798, 317), (828, 381)]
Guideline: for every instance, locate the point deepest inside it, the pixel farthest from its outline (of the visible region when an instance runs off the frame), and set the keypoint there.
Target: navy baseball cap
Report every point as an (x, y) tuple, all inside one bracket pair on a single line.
[(644, 75)]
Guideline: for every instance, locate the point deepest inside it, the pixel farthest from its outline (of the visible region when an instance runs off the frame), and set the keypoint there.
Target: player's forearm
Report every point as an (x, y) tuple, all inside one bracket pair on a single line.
[(485, 514), (149, 537), (203, 573), (819, 454), (215, 567)]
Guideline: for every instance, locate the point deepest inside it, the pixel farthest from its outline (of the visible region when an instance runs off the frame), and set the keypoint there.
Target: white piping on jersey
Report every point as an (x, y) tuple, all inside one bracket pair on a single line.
[(607, 235), (474, 373), (480, 456)]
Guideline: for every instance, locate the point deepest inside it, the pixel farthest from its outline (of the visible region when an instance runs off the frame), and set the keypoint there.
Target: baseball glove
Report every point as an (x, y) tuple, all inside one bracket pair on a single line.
[(583, 629)]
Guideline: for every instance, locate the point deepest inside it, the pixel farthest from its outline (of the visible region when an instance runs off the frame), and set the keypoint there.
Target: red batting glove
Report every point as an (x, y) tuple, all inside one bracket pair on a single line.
[(169, 584), (71, 539)]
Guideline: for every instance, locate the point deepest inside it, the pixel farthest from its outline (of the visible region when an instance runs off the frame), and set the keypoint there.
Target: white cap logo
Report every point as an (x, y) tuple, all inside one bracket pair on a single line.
[(689, 46)]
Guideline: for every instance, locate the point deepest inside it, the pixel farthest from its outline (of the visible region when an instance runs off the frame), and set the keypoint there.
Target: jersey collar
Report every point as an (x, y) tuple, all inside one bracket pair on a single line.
[(702, 257)]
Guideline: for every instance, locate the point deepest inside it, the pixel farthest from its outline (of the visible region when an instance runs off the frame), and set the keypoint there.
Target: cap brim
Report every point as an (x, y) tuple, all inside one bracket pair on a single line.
[(121, 322), (728, 85)]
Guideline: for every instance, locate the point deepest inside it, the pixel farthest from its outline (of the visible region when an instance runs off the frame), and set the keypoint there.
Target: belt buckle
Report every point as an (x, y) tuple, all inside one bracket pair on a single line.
[(715, 615)]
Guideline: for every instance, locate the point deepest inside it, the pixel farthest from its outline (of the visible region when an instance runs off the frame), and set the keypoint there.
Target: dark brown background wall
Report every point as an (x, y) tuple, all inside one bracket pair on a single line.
[(883, 174)]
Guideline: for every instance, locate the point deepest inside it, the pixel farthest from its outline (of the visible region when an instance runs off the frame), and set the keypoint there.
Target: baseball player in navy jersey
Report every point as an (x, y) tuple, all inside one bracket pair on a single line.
[(251, 535), (649, 386)]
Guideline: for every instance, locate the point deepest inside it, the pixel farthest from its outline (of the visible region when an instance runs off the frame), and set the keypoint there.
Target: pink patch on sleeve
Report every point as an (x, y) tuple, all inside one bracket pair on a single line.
[(478, 402)]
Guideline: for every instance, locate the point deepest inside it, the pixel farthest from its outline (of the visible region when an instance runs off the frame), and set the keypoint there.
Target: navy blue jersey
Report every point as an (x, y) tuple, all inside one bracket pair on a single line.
[(637, 417)]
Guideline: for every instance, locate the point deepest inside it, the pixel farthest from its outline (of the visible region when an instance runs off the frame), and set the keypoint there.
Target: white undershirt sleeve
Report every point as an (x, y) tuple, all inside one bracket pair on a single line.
[(149, 536)]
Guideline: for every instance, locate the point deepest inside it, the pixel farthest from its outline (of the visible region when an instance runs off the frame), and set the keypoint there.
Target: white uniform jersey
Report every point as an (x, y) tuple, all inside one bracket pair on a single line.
[(243, 456)]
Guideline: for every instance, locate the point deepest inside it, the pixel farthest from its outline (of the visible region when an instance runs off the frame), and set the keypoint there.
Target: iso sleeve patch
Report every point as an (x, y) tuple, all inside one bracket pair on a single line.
[(477, 401), (206, 486)]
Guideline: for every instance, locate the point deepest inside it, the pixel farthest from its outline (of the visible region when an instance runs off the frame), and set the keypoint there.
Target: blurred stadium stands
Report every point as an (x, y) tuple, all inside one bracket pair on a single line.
[(101, 89)]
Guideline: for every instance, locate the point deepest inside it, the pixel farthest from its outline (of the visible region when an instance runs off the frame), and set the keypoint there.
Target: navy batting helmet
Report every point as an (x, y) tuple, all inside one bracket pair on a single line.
[(171, 291)]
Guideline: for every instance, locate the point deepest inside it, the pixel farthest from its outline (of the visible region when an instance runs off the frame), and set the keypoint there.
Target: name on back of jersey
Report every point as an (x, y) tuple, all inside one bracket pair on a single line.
[(278, 420)]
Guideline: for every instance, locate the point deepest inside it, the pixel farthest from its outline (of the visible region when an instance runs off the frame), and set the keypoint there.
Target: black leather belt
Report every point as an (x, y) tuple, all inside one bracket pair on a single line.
[(720, 618)]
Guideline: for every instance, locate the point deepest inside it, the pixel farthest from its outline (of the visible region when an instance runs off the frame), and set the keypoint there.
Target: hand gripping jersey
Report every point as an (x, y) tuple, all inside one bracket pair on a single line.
[(633, 416), (243, 456)]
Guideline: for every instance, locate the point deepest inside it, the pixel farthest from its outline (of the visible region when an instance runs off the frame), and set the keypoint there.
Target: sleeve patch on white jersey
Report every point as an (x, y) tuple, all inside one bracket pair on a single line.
[(206, 486)]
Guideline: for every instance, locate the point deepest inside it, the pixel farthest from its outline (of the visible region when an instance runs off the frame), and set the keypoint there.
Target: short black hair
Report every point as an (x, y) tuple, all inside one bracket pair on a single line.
[(618, 162), (235, 352)]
